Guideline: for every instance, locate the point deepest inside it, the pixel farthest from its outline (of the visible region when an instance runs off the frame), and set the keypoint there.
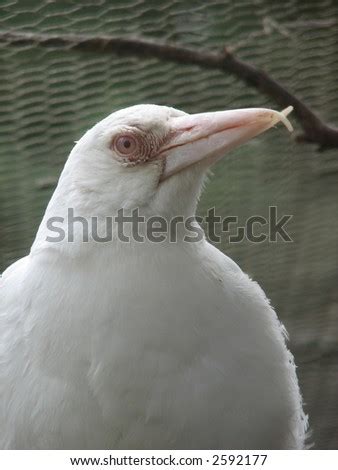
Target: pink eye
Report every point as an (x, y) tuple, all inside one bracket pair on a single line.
[(125, 145)]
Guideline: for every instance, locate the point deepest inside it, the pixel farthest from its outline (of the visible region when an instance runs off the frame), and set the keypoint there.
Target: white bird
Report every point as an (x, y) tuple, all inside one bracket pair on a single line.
[(129, 345)]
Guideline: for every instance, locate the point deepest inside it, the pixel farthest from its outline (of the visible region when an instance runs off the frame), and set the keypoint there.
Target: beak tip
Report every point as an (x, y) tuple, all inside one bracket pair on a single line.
[(287, 110), (283, 117)]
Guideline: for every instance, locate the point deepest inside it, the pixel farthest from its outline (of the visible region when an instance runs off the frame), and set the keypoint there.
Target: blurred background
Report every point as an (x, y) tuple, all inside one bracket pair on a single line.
[(50, 96)]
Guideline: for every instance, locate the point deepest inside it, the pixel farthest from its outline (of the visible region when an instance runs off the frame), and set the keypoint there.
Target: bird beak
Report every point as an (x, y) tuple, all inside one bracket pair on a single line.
[(207, 137)]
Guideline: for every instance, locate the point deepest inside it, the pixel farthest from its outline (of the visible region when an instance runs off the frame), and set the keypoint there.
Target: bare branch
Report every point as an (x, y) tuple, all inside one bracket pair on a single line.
[(315, 130)]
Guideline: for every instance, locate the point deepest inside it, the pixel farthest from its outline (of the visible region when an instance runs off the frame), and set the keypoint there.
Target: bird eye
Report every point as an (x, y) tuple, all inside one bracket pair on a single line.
[(125, 145)]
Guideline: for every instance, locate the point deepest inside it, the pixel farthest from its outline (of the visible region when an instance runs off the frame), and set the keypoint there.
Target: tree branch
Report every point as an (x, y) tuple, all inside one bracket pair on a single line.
[(315, 130)]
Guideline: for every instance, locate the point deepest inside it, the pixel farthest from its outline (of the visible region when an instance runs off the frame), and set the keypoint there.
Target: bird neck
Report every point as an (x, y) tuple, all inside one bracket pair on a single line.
[(73, 226)]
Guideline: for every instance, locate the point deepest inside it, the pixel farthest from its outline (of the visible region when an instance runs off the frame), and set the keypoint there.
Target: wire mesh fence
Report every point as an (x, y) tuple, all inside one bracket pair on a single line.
[(50, 96)]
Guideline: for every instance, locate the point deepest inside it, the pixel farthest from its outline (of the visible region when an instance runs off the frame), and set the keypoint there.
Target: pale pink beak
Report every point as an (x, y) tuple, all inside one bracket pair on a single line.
[(207, 137)]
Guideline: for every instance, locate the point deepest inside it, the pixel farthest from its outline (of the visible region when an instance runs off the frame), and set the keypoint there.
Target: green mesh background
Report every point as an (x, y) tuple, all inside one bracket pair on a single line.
[(48, 97)]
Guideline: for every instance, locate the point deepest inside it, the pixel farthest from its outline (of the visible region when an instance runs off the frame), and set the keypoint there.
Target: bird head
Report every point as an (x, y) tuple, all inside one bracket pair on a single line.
[(155, 157)]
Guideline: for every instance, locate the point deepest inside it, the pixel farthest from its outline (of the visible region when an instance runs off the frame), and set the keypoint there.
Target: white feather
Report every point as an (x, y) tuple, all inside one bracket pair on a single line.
[(135, 346)]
